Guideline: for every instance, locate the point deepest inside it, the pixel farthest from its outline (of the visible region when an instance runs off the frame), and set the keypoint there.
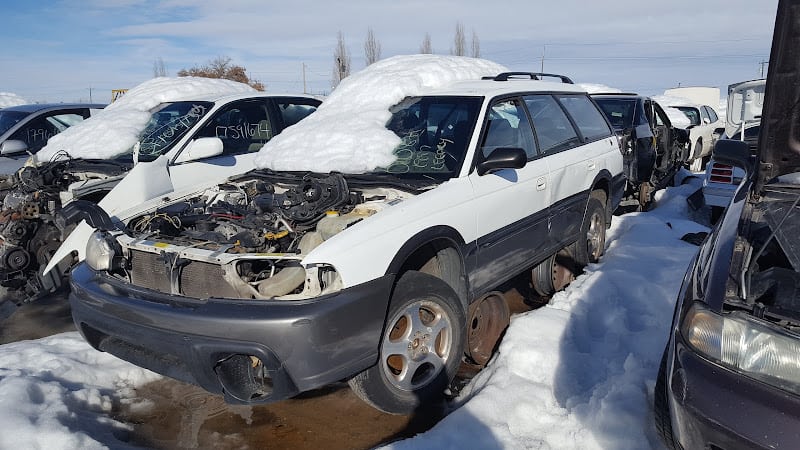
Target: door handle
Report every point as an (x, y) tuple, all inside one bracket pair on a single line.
[(591, 165), (541, 183)]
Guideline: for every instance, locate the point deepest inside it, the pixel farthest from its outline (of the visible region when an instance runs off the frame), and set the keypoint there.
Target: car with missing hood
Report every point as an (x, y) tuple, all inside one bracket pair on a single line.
[(282, 281), (187, 143), (730, 373), (25, 129)]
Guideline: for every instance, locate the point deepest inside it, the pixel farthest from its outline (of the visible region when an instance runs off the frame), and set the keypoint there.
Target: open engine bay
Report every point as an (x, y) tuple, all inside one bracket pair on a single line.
[(253, 231)]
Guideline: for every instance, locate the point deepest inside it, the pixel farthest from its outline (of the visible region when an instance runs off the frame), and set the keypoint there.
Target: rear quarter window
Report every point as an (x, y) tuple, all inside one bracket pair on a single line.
[(590, 121)]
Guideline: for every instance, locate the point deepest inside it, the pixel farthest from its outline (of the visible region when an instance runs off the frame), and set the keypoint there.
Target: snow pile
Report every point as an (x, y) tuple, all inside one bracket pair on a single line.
[(348, 132), (579, 373), (677, 118), (10, 99), (594, 88), (114, 130), (57, 393)]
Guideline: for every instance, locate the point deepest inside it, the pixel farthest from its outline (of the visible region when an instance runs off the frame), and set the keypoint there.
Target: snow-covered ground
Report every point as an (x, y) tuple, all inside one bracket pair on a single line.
[(577, 373)]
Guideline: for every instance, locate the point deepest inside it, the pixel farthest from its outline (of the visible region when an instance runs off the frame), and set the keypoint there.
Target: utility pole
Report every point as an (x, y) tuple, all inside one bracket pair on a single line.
[(304, 78), (544, 49), (763, 63), (90, 94)]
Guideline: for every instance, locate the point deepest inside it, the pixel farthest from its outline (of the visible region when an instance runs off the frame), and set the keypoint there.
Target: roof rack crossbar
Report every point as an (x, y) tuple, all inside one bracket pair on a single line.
[(505, 76)]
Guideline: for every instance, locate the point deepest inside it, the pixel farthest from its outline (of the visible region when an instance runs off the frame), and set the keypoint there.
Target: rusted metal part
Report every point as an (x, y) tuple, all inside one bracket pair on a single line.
[(488, 318)]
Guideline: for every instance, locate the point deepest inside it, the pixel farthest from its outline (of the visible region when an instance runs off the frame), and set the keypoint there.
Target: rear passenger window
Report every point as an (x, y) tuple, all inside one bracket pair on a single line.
[(589, 120), (295, 110), (508, 128), (553, 129)]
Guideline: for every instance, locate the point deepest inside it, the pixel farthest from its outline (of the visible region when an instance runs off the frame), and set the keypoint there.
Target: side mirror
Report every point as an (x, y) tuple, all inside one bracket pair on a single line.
[(706, 121), (734, 153), (200, 148), (503, 158), (12, 146)]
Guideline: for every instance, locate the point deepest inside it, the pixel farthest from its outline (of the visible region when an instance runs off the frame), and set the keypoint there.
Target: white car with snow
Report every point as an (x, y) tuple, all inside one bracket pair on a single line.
[(704, 123), (193, 140), (292, 277)]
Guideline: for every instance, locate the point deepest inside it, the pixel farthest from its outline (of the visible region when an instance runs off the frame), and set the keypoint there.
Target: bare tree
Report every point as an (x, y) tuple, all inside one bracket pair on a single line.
[(372, 48), (459, 41), (476, 45), (426, 48), (159, 69), (341, 61), (221, 67)]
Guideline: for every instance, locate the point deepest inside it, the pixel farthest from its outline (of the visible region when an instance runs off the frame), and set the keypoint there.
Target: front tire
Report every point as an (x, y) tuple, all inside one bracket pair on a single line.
[(661, 406), (421, 346)]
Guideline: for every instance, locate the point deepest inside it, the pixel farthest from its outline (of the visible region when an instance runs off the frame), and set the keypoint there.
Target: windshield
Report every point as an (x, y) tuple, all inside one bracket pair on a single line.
[(168, 123), (10, 118), (620, 112), (434, 133), (691, 113)]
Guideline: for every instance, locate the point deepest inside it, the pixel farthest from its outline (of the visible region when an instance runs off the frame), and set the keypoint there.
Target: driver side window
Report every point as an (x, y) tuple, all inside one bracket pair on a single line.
[(242, 127), (508, 126)]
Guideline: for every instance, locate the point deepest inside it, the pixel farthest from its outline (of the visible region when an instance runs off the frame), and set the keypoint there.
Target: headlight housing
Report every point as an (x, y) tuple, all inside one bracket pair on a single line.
[(101, 251), (744, 343)]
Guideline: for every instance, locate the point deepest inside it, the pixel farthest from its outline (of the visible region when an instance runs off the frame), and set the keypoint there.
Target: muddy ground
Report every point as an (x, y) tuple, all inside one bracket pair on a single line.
[(168, 414)]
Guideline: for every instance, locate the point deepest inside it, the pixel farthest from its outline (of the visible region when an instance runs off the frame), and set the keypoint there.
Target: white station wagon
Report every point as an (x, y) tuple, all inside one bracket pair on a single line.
[(279, 282)]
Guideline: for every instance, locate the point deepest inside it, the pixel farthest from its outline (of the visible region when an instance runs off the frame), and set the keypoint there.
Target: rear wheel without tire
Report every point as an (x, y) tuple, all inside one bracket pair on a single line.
[(420, 349), (592, 241), (552, 275)]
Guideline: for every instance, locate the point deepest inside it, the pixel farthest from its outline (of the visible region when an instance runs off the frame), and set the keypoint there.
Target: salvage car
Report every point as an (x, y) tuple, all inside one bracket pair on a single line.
[(745, 102), (25, 129), (192, 142), (282, 281), (704, 123), (653, 149), (730, 373)]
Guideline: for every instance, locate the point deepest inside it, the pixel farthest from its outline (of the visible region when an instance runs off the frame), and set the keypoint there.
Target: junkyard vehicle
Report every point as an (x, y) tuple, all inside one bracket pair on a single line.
[(745, 102), (730, 374), (278, 282), (25, 129), (187, 143), (704, 121), (653, 149)]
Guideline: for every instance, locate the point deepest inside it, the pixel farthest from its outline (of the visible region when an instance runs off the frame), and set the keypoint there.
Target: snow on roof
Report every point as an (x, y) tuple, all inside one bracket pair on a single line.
[(594, 88), (348, 132), (10, 99), (114, 130)]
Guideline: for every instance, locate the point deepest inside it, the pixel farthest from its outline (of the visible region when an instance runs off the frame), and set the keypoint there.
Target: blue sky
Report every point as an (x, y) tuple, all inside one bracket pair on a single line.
[(59, 50)]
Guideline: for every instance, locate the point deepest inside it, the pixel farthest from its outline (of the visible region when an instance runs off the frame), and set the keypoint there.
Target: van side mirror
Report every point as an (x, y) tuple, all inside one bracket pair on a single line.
[(735, 153), (200, 148), (12, 146), (503, 158)]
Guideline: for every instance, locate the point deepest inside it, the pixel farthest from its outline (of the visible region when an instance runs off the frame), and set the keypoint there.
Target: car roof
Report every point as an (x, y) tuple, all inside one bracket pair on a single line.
[(36, 107), (505, 85), (225, 98), (779, 139)]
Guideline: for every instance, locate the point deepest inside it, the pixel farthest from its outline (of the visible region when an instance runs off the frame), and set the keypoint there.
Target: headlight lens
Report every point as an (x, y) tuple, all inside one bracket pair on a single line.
[(744, 343), (100, 251)]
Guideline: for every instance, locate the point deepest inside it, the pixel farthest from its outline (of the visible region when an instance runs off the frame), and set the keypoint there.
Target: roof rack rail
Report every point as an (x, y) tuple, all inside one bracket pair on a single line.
[(505, 76)]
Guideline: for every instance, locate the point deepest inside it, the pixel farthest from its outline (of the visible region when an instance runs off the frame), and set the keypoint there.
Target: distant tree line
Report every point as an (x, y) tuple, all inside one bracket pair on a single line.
[(372, 51)]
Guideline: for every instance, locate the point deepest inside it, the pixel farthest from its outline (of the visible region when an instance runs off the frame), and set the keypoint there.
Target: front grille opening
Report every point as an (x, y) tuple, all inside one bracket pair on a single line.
[(244, 377)]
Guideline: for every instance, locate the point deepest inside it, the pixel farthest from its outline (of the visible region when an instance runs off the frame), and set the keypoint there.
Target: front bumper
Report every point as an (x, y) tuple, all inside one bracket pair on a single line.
[(715, 407), (302, 344)]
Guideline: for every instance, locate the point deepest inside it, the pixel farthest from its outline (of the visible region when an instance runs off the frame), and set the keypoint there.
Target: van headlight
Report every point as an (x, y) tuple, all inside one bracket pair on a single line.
[(744, 343), (102, 251)]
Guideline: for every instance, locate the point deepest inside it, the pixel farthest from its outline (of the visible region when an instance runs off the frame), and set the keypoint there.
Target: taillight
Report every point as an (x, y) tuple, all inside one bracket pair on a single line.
[(722, 173)]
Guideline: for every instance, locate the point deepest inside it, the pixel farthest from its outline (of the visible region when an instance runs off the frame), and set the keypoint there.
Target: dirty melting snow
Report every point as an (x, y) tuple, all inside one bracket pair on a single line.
[(114, 130), (348, 132), (577, 373)]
